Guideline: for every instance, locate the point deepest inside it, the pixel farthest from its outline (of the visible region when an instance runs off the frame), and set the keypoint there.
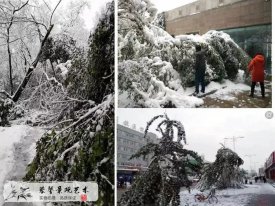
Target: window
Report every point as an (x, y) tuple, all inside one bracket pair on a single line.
[(180, 12), (254, 39)]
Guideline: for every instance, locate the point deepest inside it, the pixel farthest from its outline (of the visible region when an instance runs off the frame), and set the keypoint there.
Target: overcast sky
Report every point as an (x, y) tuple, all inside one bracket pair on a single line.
[(90, 14), (165, 5), (207, 128)]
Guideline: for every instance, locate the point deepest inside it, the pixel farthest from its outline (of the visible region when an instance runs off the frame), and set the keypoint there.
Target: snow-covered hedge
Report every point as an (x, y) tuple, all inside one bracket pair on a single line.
[(139, 38), (152, 83), (5, 109)]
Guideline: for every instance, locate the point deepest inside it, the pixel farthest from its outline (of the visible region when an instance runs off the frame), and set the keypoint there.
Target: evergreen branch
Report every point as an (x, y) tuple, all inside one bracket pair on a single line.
[(145, 150)]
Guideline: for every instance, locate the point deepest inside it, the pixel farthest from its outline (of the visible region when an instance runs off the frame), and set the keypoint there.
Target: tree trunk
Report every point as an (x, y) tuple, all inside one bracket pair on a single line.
[(25, 81), (9, 56), (53, 69)]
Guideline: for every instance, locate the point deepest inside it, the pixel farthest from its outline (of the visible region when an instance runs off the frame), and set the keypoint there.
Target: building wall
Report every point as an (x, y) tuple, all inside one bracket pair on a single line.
[(204, 15), (128, 142), (270, 166), (270, 173)]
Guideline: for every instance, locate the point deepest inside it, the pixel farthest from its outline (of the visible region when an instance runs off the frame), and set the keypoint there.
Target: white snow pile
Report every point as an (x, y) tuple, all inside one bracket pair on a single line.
[(228, 197), (144, 48)]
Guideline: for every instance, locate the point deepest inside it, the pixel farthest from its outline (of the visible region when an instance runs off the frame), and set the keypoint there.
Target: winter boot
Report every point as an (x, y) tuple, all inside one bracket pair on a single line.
[(262, 89), (252, 89)]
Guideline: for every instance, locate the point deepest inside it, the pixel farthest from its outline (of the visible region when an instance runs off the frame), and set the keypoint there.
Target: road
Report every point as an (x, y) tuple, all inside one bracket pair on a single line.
[(266, 196)]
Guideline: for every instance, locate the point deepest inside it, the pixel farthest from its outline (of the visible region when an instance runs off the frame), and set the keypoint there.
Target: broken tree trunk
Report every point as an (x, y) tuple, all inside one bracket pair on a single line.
[(28, 75)]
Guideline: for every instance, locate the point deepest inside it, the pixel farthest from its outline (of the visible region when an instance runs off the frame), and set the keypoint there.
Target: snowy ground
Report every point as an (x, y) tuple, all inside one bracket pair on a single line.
[(17, 149), (236, 96), (227, 94), (231, 197)]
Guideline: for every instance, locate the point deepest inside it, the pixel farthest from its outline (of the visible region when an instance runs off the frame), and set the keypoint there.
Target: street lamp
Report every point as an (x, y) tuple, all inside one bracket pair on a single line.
[(233, 139)]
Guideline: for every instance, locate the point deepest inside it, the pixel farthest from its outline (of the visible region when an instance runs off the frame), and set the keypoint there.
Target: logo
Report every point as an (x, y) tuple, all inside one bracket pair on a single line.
[(50, 191)]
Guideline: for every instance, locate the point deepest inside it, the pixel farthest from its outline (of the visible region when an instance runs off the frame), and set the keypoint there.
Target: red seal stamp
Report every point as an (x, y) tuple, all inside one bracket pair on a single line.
[(83, 197)]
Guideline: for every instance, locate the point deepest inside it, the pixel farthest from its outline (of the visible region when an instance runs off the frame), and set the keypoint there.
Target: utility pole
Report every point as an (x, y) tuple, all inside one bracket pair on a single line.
[(250, 160), (255, 166), (233, 139)]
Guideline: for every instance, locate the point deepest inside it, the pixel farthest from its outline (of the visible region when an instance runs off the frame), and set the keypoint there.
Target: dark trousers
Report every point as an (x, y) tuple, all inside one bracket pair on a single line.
[(199, 79), (253, 88)]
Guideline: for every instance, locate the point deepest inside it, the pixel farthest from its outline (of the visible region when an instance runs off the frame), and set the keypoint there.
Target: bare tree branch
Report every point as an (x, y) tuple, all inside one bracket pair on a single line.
[(21, 7), (54, 11), (6, 94), (31, 68)]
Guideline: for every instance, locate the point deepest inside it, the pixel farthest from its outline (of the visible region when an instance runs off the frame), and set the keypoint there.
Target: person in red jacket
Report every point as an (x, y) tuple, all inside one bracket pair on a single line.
[(256, 68)]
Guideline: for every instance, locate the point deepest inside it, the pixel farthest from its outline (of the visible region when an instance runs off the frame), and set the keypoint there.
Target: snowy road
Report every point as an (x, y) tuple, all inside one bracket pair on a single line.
[(265, 198), (17, 148), (252, 195)]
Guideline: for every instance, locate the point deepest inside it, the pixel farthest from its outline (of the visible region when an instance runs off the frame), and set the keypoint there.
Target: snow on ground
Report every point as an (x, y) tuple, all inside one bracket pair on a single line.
[(229, 197), (16, 140), (182, 97), (227, 90)]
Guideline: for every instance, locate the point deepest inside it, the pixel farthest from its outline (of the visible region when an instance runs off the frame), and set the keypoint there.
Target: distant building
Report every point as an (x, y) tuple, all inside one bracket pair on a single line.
[(270, 166), (261, 171), (129, 141), (248, 22)]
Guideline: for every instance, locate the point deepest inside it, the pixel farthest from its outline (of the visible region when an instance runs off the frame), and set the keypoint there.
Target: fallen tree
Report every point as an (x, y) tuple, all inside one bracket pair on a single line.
[(169, 168), (224, 172)]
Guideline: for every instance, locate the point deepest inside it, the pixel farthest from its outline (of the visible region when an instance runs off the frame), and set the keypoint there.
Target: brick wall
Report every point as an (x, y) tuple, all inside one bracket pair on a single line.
[(238, 14)]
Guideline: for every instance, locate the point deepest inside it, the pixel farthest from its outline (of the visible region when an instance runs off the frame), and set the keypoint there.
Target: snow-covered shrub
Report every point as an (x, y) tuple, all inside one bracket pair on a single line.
[(59, 48), (5, 110), (224, 172), (16, 112), (160, 20), (62, 70), (139, 37), (48, 96), (80, 149), (152, 83), (170, 166)]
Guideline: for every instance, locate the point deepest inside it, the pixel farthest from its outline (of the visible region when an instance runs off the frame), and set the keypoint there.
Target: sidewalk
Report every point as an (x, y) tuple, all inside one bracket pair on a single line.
[(272, 182)]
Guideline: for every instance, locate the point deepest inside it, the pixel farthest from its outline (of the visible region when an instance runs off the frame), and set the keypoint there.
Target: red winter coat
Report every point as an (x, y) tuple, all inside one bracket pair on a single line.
[(256, 67)]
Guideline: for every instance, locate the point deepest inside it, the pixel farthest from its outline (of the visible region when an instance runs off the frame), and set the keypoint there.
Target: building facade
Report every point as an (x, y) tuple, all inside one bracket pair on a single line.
[(270, 167), (129, 141), (248, 22)]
